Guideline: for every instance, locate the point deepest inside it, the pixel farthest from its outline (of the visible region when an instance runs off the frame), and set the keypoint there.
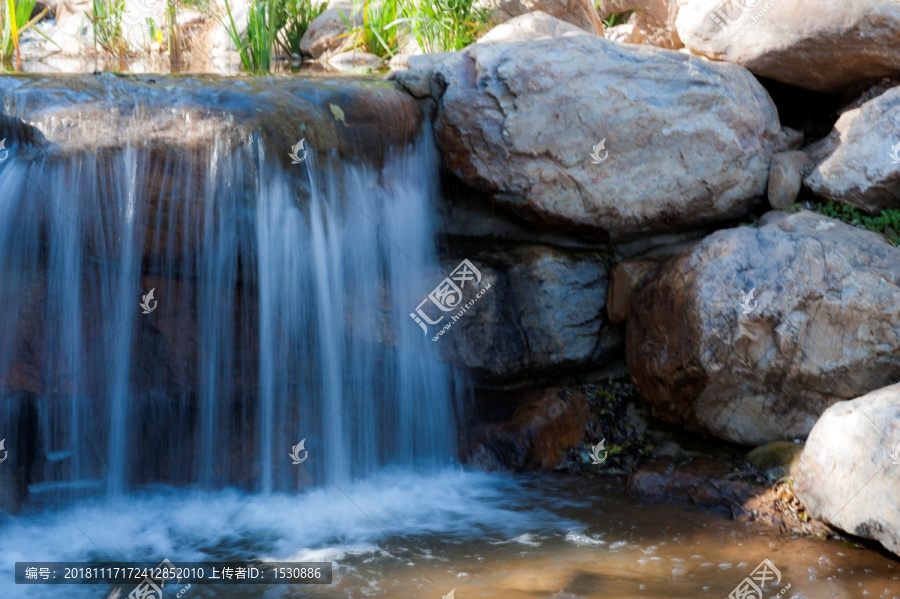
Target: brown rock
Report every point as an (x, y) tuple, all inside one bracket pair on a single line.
[(786, 178), (701, 481), (822, 325), (624, 279), (652, 20), (528, 430)]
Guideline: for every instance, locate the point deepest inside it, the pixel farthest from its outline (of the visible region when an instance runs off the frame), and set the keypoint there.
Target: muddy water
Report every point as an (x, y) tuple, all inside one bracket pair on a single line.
[(414, 535), (629, 550)]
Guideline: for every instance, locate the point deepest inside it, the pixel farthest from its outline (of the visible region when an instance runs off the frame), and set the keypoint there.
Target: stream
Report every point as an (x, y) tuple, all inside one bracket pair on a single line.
[(142, 431)]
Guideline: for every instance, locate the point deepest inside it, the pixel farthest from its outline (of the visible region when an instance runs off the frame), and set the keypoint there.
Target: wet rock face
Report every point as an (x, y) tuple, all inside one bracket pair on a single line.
[(522, 120), (544, 314), (849, 471), (701, 481), (846, 44), (822, 326), (526, 431), (858, 163), (185, 128), (163, 113)]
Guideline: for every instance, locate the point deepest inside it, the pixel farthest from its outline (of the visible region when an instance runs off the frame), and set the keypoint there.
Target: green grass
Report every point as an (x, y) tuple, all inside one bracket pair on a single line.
[(106, 19), (14, 19), (271, 25), (617, 18), (255, 44), (887, 222), (297, 15), (381, 32), (445, 25)]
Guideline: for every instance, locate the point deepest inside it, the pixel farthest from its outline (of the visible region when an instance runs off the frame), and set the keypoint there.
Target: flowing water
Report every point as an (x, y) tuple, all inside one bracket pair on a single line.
[(280, 314)]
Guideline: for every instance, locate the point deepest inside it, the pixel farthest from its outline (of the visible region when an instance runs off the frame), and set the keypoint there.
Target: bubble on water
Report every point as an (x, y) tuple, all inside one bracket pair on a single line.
[(582, 539)]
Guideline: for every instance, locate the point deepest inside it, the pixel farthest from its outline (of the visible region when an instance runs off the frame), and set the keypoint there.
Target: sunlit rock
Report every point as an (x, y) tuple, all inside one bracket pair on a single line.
[(859, 162), (823, 45), (755, 331), (849, 471), (561, 132)]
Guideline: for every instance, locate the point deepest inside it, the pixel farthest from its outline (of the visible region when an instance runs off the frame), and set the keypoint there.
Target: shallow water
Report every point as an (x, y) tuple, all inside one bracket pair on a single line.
[(406, 534)]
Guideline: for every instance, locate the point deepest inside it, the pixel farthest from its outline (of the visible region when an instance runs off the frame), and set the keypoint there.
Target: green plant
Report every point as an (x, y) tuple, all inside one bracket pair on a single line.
[(173, 31), (255, 44), (106, 19), (617, 18), (445, 25), (887, 222), (380, 32), (297, 15), (13, 13)]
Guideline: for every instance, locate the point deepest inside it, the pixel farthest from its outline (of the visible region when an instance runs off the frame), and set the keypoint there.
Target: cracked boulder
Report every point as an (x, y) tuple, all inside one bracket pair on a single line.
[(754, 332), (561, 132), (849, 471), (843, 45), (544, 314)]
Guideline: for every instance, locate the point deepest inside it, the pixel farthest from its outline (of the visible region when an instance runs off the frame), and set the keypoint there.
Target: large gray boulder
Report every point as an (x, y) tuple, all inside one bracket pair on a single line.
[(858, 163), (521, 121), (849, 471), (823, 45), (753, 333)]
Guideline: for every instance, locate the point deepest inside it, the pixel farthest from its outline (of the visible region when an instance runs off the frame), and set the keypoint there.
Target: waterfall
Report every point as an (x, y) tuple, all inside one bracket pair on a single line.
[(280, 315)]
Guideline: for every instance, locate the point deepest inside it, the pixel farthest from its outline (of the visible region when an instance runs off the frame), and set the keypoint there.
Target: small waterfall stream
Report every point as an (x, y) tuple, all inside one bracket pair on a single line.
[(150, 428), (281, 316)]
